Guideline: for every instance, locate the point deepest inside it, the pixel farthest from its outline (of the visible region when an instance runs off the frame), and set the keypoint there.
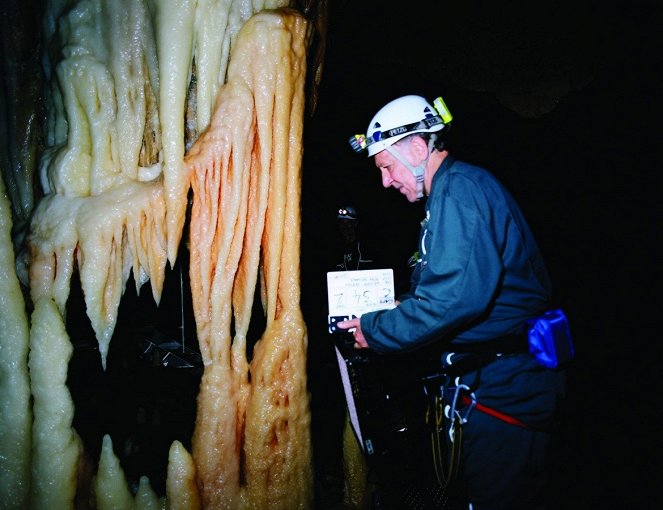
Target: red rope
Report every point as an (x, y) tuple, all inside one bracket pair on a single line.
[(493, 412)]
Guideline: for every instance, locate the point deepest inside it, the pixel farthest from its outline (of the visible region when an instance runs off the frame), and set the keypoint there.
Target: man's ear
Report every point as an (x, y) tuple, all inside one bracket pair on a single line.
[(419, 148)]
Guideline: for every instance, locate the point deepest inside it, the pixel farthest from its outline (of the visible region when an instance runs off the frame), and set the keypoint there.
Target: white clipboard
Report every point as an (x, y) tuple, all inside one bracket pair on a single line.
[(357, 292)]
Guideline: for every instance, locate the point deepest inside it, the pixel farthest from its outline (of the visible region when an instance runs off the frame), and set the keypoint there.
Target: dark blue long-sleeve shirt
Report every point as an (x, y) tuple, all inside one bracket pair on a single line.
[(481, 274)]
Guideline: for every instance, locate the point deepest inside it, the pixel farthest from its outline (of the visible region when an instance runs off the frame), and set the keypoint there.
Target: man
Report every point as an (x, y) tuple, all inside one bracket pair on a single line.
[(348, 228), (478, 280), (328, 402)]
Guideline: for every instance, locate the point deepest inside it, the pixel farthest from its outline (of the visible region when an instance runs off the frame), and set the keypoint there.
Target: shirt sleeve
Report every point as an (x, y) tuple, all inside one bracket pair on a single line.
[(460, 273)]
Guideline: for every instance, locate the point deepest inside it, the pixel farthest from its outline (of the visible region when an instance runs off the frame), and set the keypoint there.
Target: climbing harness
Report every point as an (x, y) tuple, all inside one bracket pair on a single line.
[(450, 405)]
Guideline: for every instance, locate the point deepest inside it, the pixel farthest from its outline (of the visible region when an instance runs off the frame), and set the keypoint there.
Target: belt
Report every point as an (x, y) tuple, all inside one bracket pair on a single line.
[(507, 344), (463, 358)]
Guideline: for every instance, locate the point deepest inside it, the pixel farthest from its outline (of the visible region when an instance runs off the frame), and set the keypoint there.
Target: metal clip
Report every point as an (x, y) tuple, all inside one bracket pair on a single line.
[(464, 417), (455, 415)]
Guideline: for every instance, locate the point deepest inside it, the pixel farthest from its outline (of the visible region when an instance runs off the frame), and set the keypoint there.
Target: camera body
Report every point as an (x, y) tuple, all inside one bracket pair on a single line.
[(332, 323)]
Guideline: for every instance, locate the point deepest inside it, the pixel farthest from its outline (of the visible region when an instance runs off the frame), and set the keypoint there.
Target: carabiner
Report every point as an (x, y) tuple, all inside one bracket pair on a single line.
[(457, 415), (468, 410)]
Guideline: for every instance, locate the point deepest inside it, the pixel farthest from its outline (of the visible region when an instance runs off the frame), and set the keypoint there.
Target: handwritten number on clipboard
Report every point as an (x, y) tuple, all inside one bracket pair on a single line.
[(357, 297)]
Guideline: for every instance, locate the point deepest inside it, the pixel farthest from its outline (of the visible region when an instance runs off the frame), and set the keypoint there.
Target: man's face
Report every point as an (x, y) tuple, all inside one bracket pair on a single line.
[(394, 174)]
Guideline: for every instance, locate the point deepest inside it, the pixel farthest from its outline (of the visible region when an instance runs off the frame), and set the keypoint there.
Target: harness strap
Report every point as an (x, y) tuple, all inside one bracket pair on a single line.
[(493, 412)]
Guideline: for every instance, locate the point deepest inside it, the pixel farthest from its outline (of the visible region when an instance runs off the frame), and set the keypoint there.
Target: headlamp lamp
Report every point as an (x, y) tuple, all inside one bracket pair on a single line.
[(358, 142), (346, 213)]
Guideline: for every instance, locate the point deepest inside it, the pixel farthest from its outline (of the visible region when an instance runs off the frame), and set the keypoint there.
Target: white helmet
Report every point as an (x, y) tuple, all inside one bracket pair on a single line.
[(400, 118)]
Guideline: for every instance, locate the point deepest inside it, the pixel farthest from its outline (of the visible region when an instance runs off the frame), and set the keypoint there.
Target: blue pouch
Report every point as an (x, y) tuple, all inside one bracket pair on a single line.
[(549, 339)]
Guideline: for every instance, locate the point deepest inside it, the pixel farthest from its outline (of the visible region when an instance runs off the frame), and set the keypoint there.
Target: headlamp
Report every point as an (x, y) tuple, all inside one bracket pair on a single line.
[(346, 213), (358, 142)]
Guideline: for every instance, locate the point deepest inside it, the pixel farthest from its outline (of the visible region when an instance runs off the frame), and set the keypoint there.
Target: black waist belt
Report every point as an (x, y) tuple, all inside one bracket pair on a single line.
[(507, 344), (463, 358)]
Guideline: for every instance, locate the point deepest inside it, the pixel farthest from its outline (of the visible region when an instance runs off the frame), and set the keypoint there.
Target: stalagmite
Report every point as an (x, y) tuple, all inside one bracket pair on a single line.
[(110, 486), (181, 488), (15, 411), (56, 445), (146, 498)]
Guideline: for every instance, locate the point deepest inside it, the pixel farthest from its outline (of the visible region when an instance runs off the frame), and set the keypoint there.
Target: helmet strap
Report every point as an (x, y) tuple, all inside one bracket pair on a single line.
[(418, 171)]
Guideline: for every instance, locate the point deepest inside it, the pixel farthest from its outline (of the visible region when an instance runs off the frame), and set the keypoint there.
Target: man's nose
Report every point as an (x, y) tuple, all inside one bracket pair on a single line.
[(386, 178)]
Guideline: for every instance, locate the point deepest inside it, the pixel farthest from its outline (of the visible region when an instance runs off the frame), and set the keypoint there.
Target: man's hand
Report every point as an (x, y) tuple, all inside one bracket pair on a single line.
[(360, 341)]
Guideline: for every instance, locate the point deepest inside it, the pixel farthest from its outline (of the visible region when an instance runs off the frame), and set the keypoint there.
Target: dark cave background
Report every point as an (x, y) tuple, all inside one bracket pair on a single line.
[(562, 102)]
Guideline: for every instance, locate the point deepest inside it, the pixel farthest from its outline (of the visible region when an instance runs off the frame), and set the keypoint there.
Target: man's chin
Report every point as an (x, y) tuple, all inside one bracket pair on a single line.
[(410, 197)]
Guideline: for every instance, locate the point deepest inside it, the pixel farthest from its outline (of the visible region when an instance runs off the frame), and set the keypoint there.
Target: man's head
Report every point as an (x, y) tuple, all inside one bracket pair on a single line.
[(395, 136), (415, 151)]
